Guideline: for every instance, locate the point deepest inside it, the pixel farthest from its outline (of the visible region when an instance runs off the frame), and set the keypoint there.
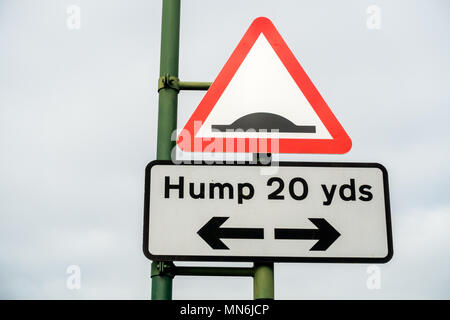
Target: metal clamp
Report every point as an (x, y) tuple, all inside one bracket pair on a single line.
[(169, 82), (163, 269)]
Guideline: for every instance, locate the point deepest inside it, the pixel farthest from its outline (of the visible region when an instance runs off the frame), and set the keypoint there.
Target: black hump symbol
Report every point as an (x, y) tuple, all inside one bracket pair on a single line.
[(263, 121)]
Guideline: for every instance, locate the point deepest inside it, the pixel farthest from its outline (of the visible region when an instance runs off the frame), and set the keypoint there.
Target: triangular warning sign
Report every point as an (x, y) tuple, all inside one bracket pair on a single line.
[(263, 101)]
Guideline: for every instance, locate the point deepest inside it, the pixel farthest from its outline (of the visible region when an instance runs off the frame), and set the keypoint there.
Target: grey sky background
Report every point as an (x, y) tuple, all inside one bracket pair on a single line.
[(78, 116)]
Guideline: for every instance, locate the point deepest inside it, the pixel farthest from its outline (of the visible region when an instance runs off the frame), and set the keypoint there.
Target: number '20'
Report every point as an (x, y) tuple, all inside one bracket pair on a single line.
[(279, 183)]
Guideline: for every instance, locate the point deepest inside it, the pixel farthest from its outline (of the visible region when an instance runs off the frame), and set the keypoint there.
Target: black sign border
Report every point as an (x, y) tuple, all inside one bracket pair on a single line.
[(388, 257)]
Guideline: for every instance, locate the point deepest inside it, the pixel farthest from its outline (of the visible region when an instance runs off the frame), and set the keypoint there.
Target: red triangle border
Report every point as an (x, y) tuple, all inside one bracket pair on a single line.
[(341, 142)]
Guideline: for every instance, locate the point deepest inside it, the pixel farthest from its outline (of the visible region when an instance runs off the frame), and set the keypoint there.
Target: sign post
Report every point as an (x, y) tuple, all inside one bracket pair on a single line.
[(167, 122), (261, 102)]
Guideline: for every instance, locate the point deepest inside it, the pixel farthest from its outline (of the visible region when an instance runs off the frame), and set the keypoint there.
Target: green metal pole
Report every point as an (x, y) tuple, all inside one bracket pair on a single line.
[(190, 85), (167, 122), (162, 275), (263, 278), (214, 271), (168, 95), (263, 283)]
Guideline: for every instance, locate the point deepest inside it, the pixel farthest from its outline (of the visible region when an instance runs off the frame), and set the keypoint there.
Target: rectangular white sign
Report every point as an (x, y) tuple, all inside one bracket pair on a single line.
[(298, 212)]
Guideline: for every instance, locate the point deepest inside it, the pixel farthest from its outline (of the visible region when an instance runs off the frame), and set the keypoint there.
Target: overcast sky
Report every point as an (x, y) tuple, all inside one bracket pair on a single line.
[(78, 117)]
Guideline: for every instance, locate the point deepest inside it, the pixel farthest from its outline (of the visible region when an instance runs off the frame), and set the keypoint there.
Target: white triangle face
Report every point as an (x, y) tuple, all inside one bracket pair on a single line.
[(261, 88)]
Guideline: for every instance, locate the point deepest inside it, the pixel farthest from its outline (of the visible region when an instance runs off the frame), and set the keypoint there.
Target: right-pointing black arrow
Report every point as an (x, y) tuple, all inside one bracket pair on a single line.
[(325, 233)]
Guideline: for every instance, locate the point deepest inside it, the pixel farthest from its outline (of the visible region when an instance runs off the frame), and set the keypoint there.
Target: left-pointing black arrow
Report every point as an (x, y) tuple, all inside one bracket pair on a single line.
[(211, 232)]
